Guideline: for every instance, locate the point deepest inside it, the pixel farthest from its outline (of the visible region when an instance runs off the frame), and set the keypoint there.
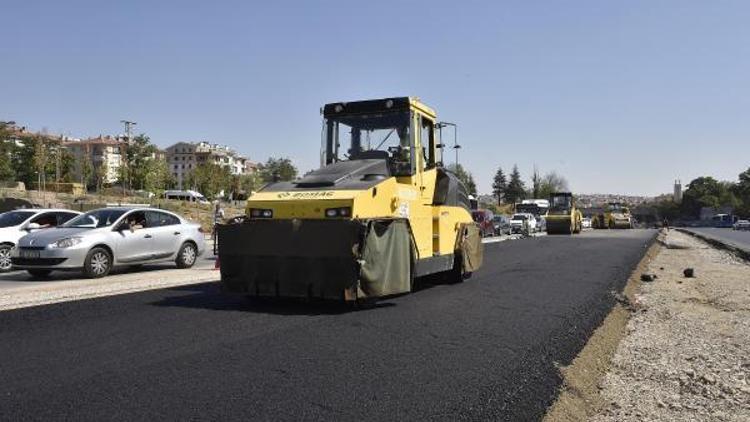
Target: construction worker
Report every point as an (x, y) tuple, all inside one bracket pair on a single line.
[(218, 219)]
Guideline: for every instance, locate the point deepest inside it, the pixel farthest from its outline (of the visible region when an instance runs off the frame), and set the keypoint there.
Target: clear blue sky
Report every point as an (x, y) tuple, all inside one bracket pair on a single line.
[(619, 97)]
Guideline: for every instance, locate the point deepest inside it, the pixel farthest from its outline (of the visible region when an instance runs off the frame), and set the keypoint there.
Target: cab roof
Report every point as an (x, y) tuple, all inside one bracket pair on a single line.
[(379, 105)]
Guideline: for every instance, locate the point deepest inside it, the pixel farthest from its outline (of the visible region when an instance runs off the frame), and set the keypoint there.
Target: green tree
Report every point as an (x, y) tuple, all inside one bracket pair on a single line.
[(278, 169), (244, 185), (7, 150), (741, 191), (499, 185), (552, 182), (39, 159), (23, 159), (100, 175), (465, 177), (536, 184), (7, 170), (157, 177), (209, 179), (87, 170), (516, 188), (67, 166), (668, 209), (707, 192), (134, 168)]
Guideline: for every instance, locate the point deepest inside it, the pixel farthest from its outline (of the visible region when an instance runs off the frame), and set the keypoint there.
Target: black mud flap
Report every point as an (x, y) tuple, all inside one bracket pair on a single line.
[(323, 259)]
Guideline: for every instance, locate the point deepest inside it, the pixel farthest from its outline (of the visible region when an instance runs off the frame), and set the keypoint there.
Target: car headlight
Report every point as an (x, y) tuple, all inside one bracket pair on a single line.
[(65, 243)]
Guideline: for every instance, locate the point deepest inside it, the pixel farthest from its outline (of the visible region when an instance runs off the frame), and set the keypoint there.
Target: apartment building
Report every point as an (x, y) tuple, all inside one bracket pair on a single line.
[(103, 150), (183, 157)]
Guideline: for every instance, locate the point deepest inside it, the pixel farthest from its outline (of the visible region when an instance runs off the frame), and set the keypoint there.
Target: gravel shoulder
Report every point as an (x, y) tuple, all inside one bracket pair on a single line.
[(18, 290), (686, 354)]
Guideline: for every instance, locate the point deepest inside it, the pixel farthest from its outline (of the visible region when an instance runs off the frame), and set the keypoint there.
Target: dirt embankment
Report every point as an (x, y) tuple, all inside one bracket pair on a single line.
[(684, 352)]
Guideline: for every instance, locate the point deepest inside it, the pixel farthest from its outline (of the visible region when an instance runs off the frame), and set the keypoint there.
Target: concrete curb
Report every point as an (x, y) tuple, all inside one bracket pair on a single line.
[(67, 291), (737, 250)]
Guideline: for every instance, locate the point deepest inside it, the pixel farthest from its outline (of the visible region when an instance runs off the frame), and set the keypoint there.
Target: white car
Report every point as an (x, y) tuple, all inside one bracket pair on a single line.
[(741, 225), (18, 223), (518, 220), (97, 241), (586, 223)]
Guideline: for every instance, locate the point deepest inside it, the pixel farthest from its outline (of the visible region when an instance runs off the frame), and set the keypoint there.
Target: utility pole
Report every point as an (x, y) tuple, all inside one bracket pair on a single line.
[(123, 154), (128, 128)]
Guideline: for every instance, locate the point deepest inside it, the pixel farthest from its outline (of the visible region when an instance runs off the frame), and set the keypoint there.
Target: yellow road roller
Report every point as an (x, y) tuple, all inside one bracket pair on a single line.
[(379, 213), (563, 217), (615, 215)]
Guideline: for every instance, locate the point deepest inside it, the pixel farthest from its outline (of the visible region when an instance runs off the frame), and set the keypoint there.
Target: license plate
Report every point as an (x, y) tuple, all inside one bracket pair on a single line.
[(30, 254)]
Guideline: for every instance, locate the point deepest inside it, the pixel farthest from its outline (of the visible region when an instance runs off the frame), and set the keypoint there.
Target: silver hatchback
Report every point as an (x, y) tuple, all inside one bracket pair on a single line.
[(100, 239)]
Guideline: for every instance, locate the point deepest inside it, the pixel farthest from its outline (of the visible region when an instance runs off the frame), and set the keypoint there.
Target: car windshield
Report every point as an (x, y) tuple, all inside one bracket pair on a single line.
[(498, 219), (96, 219), (519, 217), (14, 218)]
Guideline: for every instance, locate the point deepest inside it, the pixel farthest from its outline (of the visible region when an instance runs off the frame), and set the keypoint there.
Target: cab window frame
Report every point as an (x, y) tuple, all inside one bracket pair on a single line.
[(427, 126)]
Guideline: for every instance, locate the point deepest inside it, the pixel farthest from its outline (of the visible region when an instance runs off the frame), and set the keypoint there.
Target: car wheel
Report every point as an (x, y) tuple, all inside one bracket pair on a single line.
[(98, 263), (5, 264), (39, 273), (187, 255)]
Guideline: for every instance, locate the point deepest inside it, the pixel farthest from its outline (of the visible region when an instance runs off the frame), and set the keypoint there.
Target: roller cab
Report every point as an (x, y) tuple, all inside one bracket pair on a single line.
[(563, 217), (379, 213)]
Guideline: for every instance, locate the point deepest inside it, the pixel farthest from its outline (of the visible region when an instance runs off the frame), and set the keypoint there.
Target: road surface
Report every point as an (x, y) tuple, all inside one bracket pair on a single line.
[(738, 238), (486, 349), (20, 279)]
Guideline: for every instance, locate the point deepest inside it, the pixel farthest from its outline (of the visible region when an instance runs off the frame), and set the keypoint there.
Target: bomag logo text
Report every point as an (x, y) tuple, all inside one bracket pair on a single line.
[(305, 195)]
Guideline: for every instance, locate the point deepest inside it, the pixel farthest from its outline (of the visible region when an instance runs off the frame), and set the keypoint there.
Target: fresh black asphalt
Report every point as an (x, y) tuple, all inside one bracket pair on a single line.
[(486, 349), (738, 238)]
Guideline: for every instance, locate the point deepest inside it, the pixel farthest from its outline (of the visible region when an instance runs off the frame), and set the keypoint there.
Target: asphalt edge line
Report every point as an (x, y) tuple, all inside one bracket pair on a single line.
[(49, 297), (718, 243), (579, 398)]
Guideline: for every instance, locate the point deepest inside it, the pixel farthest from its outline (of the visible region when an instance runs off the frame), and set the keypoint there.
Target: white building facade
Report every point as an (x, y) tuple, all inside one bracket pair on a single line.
[(104, 150), (184, 157)]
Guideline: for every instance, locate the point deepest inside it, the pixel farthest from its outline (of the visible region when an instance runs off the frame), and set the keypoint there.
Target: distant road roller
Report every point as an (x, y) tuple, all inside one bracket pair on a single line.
[(563, 217), (379, 213), (614, 216)]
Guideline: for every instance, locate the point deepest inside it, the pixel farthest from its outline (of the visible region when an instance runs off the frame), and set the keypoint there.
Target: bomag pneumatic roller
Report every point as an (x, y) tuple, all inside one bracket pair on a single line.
[(563, 217), (615, 216), (379, 213)]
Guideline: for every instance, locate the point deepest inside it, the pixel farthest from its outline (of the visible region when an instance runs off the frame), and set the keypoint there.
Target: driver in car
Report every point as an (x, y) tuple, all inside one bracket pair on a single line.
[(136, 223)]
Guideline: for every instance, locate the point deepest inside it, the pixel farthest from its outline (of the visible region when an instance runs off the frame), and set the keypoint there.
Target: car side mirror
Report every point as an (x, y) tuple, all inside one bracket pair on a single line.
[(32, 226)]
